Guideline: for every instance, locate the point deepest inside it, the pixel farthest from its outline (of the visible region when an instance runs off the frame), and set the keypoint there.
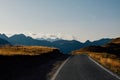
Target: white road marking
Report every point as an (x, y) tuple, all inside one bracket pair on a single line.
[(56, 73), (104, 68)]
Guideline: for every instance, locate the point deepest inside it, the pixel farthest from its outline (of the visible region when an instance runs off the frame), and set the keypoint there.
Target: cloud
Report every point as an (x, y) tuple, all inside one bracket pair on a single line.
[(52, 36)]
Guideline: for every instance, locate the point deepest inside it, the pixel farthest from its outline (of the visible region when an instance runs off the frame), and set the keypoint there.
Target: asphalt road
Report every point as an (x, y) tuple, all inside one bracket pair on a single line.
[(81, 67)]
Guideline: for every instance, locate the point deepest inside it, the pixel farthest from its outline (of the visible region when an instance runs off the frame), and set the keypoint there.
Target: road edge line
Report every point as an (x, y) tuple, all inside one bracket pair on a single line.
[(104, 68), (56, 73)]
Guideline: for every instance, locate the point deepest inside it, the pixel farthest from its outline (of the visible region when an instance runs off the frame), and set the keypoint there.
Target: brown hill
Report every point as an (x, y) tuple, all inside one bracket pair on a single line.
[(26, 50), (28, 62), (107, 55), (116, 41), (92, 49), (112, 47)]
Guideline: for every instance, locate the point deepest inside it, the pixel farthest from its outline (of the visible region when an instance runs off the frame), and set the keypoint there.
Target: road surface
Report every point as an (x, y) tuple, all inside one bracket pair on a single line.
[(81, 67)]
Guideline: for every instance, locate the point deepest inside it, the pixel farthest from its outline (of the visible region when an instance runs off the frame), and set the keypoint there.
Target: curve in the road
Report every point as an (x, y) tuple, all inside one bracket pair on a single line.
[(81, 67)]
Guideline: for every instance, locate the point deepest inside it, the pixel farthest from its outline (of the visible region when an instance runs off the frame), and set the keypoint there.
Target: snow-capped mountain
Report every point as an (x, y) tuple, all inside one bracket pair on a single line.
[(50, 37), (41, 36), (65, 46), (47, 37)]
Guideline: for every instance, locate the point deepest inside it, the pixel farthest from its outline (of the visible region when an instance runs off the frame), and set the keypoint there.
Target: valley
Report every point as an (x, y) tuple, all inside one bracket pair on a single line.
[(28, 58)]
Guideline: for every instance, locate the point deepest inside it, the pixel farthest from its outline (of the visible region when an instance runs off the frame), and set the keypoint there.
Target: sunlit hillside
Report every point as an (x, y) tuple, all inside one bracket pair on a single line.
[(108, 55), (32, 61), (116, 41), (25, 50)]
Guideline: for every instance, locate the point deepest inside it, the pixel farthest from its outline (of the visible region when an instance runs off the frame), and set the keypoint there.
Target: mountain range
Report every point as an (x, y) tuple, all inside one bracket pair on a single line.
[(4, 42), (112, 47), (65, 46)]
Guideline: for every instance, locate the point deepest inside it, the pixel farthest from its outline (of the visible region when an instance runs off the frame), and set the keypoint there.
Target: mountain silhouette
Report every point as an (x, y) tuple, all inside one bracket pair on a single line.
[(21, 39), (3, 36), (4, 42), (65, 46), (97, 42)]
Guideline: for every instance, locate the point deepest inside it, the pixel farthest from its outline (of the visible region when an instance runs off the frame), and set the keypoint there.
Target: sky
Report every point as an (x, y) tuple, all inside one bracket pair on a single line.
[(83, 19)]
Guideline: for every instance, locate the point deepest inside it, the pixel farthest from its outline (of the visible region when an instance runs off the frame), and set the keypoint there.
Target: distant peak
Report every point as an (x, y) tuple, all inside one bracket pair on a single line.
[(50, 36), (19, 35), (3, 36), (88, 41)]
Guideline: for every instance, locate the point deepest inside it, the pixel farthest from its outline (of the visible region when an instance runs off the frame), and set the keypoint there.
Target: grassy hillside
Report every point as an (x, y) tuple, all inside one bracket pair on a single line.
[(107, 55), (28, 62), (116, 41), (110, 61), (25, 50)]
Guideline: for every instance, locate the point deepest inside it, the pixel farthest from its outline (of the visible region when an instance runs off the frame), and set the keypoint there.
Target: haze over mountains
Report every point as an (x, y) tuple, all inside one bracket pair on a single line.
[(48, 37), (65, 46)]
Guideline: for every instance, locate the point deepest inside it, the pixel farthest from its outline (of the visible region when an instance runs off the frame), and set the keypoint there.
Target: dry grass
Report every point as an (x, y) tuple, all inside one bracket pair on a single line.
[(116, 41), (110, 61), (24, 50)]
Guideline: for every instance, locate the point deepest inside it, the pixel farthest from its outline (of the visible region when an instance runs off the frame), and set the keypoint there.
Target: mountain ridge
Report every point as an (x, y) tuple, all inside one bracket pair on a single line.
[(4, 42), (65, 46), (112, 47)]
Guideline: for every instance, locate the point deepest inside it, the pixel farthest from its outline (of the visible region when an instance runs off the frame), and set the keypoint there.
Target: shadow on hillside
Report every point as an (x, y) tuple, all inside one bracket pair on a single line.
[(28, 67), (112, 49)]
